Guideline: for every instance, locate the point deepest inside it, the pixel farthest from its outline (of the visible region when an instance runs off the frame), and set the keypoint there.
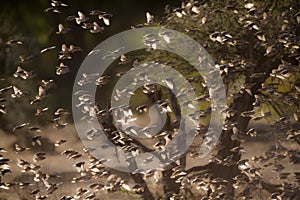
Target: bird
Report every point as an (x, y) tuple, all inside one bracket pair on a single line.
[(36, 140), (24, 74), (20, 126), (71, 154), (5, 89), (79, 166), (124, 60), (57, 3), (62, 29), (2, 150), (25, 59), (47, 49), (42, 94), (34, 129), (62, 69), (20, 149), (149, 18), (39, 111), (59, 125), (96, 28), (82, 18), (12, 42), (166, 36), (39, 157), (142, 108), (170, 83), (52, 10), (105, 17), (96, 12), (59, 142), (17, 93), (70, 18), (102, 80)]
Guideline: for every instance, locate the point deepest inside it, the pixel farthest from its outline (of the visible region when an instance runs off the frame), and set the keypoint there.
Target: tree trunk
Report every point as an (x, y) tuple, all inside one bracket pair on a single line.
[(106, 122)]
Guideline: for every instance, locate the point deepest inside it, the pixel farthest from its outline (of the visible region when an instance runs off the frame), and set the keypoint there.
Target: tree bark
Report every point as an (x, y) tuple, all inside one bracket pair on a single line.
[(106, 122)]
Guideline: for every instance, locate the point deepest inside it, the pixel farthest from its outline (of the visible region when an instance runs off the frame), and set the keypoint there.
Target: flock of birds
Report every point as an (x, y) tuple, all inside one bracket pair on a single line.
[(43, 185), (93, 171)]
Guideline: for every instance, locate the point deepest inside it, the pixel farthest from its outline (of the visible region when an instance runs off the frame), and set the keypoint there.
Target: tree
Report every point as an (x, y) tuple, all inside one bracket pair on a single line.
[(256, 48)]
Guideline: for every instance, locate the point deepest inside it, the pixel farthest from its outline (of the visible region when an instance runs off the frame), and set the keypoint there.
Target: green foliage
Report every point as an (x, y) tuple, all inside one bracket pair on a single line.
[(245, 40)]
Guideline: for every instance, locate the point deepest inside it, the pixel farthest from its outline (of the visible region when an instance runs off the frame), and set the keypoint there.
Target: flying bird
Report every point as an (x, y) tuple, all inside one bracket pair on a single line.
[(62, 29)]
